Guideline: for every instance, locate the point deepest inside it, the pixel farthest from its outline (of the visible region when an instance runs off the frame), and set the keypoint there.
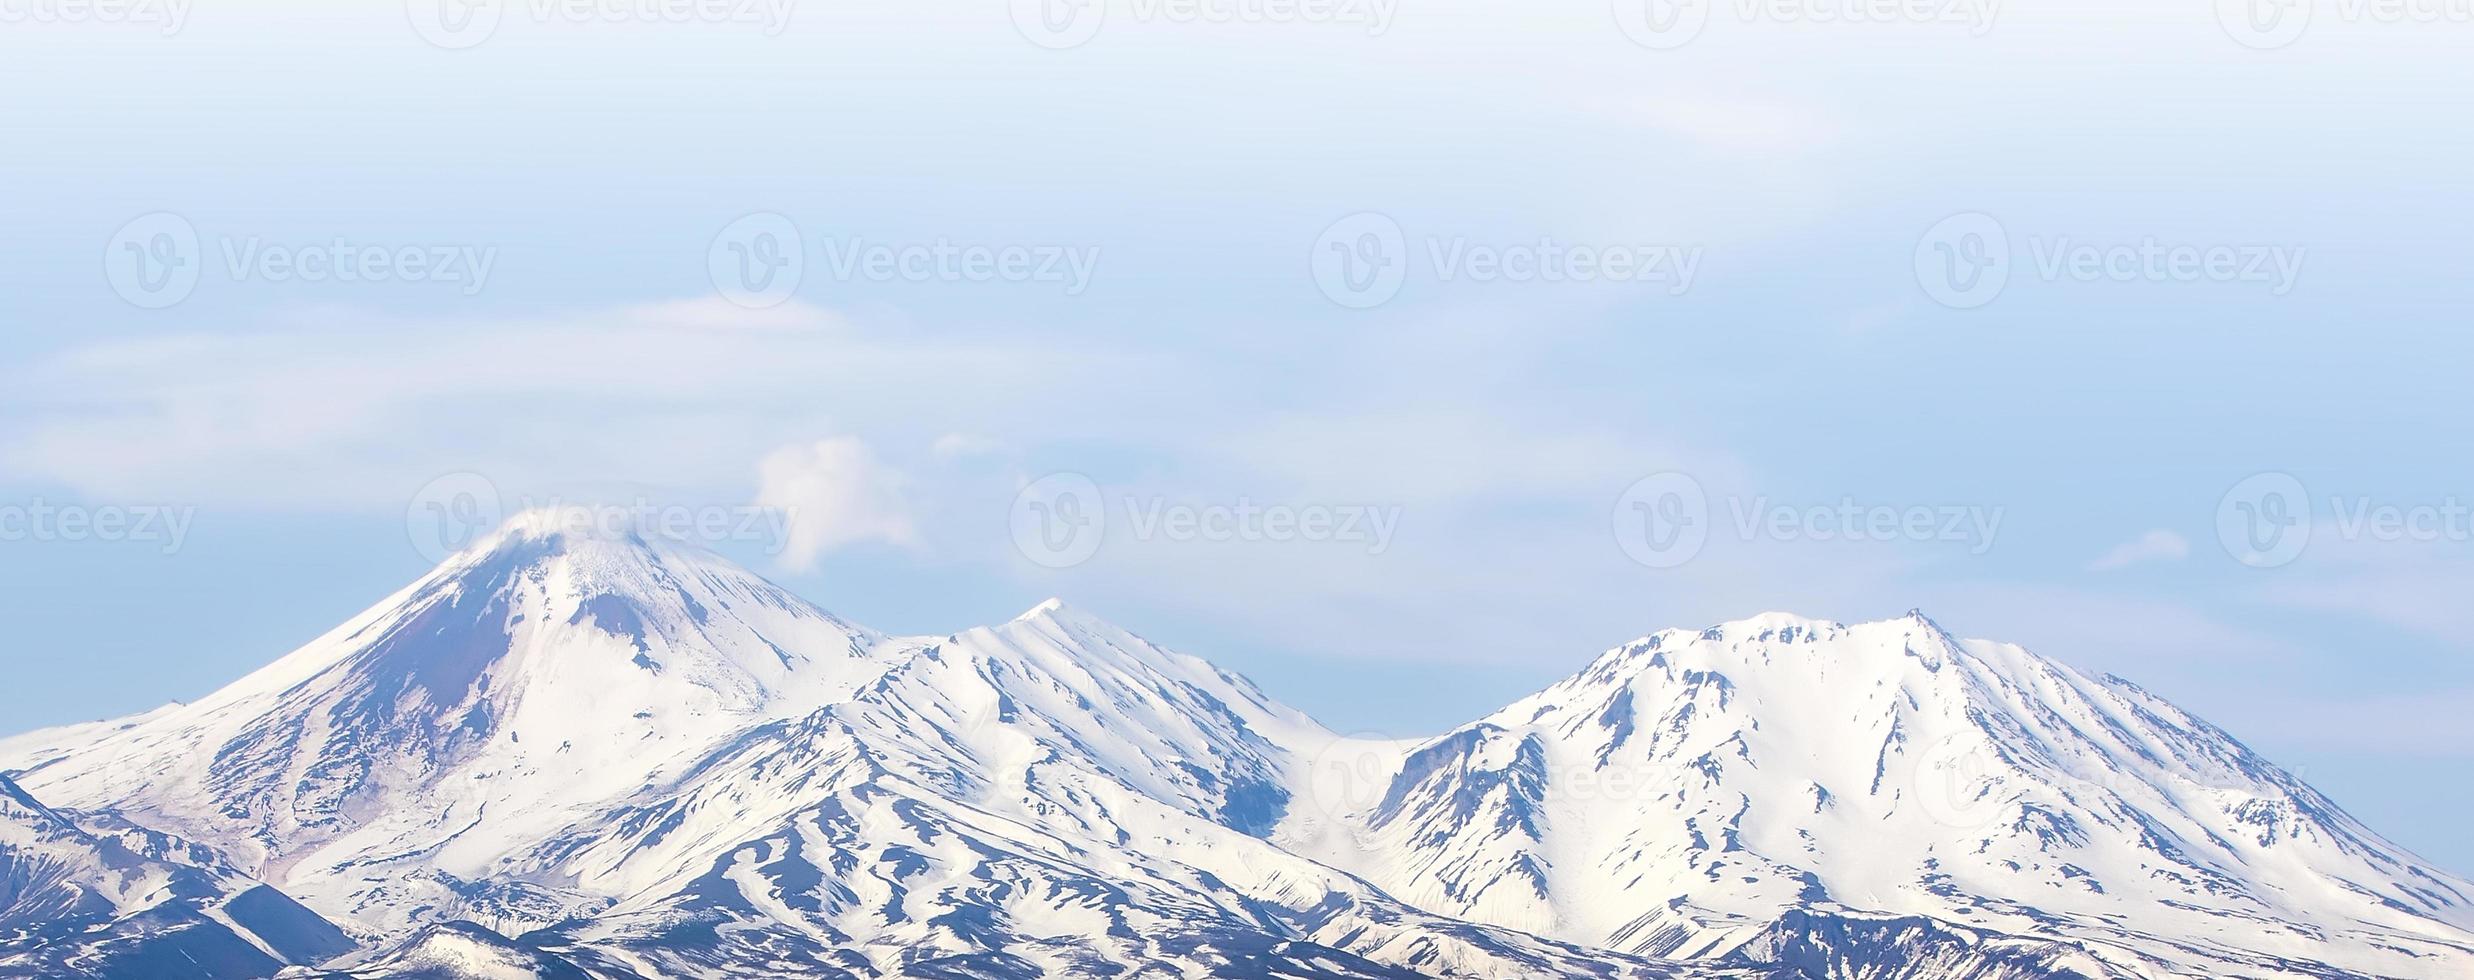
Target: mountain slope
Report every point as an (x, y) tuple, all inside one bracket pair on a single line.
[(1687, 792), (379, 771), (1048, 797), (127, 902), (575, 749), (623, 749)]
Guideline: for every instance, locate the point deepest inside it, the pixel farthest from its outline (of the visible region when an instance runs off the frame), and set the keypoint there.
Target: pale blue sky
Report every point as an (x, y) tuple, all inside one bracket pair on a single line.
[(1800, 164)]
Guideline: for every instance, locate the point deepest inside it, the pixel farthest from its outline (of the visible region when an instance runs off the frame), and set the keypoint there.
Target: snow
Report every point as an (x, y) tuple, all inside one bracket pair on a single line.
[(1778, 762), (641, 754)]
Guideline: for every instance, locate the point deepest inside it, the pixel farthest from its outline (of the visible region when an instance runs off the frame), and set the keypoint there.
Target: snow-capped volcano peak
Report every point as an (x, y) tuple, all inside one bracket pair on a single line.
[(600, 547), (1688, 783), (559, 662), (611, 524), (1054, 614), (1912, 639), (1051, 607), (558, 519), (1772, 621)]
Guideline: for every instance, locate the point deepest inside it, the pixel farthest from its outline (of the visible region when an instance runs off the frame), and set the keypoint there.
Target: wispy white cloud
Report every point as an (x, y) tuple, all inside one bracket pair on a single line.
[(345, 411), (2419, 587), (2156, 545), (2431, 601), (2135, 635)]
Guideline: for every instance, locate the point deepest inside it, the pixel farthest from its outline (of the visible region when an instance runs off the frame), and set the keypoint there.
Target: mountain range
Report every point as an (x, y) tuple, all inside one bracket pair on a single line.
[(571, 753)]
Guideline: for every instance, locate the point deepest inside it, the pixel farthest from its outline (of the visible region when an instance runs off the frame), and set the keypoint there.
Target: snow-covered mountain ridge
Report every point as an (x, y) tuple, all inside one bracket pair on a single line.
[(127, 901), (1686, 790), (602, 754)]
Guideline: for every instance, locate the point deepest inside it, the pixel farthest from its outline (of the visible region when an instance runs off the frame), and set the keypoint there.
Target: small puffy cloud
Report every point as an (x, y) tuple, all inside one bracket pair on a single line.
[(835, 493), (2156, 545)]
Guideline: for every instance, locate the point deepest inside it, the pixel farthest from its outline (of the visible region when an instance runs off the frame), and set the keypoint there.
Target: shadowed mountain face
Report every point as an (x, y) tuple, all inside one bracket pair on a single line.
[(122, 901), (575, 753)]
